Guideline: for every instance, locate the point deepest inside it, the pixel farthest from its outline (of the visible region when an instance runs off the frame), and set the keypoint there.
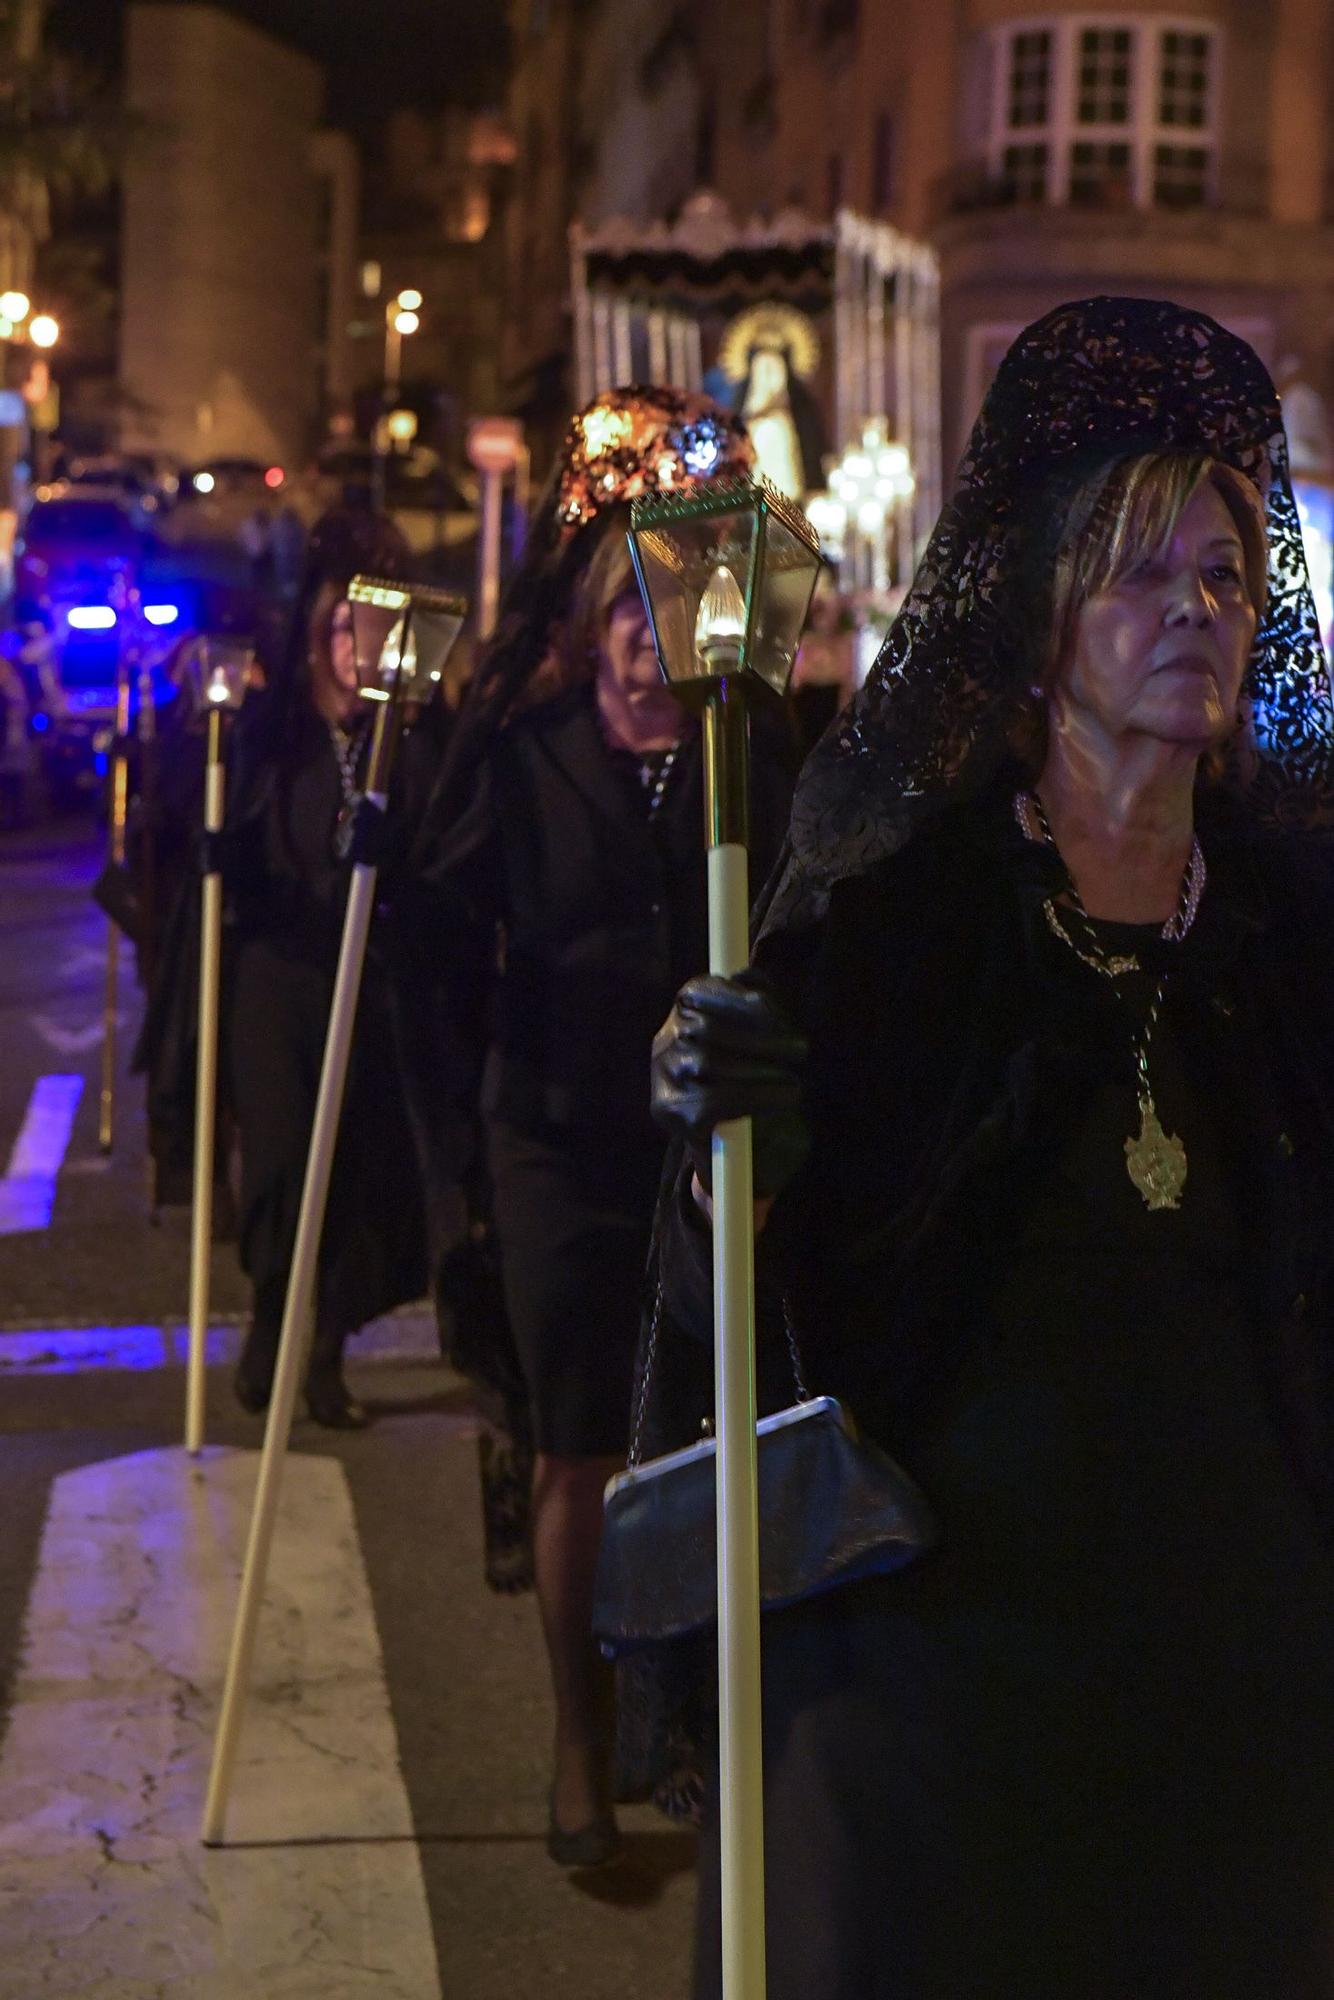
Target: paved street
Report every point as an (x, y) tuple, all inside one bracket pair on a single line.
[(385, 1834)]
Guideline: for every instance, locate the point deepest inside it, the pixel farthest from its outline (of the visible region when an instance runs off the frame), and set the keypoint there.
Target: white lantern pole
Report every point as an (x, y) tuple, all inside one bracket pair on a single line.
[(224, 688)]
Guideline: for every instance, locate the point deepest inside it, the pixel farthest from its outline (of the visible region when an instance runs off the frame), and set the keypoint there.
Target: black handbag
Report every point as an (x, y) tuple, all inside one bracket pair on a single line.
[(833, 1508)]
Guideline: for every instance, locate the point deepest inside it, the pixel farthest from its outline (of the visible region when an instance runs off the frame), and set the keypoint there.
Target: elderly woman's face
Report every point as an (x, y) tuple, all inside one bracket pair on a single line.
[(637, 706), (1162, 651)]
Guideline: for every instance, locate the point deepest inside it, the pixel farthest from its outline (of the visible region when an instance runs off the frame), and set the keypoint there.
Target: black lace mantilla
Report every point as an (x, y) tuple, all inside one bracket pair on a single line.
[(1092, 381)]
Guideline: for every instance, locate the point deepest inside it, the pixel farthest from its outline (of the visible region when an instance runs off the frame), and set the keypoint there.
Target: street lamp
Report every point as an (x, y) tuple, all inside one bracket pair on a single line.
[(15, 306), (727, 579), (401, 320), (43, 330)]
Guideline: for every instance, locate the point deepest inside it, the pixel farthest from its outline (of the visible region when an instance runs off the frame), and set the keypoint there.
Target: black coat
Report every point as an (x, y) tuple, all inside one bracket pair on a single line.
[(1085, 1747), (941, 1051), (603, 915), (286, 895)]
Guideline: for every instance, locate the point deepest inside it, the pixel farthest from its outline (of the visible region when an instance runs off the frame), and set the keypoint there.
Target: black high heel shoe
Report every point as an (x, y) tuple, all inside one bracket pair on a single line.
[(596, 1845), (331, 1404)]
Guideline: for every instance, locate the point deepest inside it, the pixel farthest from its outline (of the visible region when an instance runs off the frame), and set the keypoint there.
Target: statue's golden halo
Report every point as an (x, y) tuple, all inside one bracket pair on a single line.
[(773, 327)]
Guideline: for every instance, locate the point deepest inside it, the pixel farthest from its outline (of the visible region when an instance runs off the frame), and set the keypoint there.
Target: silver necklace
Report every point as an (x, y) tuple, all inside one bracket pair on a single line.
[(346, 749), (1155, 1159), (646, 778)]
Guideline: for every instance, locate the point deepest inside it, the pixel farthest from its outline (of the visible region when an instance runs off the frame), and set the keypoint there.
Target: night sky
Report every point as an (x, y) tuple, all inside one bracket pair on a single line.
[(379, 53)]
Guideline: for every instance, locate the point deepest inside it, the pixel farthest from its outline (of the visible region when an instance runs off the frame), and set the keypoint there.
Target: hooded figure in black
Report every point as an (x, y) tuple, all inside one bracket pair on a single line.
[(569, 827), (1048, 1202), (295, 767)]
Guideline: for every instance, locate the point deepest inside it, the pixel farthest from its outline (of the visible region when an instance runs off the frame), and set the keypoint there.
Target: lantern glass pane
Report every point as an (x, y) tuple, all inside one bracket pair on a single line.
[(226, 667), (374, 620), (677, 561), (788, 570), (430, 643)]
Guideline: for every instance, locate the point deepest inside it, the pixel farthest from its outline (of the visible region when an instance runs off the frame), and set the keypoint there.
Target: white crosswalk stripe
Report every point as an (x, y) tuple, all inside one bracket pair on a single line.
[(104, 1887)]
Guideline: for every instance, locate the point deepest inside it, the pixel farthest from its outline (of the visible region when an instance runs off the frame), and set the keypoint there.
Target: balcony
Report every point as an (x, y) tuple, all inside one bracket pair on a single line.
[(1242, 189)]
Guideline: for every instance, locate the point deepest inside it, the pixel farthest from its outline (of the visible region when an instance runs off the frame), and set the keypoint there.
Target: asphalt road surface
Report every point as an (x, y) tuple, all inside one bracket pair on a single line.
[(388, 1805)]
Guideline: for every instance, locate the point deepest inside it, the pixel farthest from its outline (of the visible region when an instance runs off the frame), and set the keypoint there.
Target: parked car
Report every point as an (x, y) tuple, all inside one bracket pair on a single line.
[(81, 554)]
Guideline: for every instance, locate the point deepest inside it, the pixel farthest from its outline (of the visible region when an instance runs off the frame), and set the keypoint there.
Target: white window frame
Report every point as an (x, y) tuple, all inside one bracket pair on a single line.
[(1142, 133)]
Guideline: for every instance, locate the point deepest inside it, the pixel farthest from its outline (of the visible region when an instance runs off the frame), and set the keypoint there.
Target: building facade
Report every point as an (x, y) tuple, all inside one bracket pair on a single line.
[(238, 241), (1044, 151)]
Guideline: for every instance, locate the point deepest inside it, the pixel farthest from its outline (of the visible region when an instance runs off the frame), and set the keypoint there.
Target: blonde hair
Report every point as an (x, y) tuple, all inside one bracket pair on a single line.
[(1132, 517)]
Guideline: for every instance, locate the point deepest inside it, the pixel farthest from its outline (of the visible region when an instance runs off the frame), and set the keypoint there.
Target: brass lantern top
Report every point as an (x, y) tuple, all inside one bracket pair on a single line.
[(727, 575)]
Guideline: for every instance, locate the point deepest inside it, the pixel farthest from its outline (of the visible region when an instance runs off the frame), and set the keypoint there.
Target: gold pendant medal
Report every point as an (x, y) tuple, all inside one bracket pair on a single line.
[(1156, 1160)]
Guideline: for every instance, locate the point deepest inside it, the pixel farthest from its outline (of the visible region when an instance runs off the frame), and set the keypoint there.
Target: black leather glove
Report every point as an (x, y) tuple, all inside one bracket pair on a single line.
[(727, 1050)]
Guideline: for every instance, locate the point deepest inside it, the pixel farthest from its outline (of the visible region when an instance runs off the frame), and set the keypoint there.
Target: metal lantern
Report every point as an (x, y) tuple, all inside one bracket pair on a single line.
[(227, 668), (402, 634), (727, 578)]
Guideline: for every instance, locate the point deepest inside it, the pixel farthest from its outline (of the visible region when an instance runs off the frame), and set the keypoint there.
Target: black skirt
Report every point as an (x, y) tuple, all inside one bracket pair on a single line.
[(1085, 1749), (573, 1214)]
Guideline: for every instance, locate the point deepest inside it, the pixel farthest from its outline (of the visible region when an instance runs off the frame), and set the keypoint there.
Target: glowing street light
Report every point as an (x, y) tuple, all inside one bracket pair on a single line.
[(401, 318), (15, 306), (44, 331)]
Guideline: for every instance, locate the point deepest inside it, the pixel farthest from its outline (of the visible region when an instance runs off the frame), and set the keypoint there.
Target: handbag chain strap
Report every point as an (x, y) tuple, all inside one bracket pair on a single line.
[(651, 1354)]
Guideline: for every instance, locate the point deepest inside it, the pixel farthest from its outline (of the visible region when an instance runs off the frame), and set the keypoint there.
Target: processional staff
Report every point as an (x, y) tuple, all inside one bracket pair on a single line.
[(124, 599), (727, 580), (403, 634), (226, 671)]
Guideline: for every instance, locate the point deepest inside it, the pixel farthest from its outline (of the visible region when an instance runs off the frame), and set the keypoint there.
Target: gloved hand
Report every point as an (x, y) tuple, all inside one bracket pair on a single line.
[(727, 1050)]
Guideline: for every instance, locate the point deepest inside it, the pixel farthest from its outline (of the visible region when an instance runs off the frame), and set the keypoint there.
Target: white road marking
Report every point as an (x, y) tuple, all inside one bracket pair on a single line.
[(72, 1041), (104, 1887), (405, 1336), (83, 958), (28, 1190)]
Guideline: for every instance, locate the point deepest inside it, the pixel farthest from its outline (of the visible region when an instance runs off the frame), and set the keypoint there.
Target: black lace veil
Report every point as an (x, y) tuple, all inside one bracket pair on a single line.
[(1091, 382)]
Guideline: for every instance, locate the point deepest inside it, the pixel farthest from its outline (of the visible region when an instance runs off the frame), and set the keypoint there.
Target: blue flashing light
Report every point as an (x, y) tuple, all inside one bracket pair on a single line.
[(41, 723), (100, 763), (92, 618), (162, 614)]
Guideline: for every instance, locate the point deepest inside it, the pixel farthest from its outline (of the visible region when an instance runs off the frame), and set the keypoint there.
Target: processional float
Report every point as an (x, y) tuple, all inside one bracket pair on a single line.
[(403, 634), (727, 579)]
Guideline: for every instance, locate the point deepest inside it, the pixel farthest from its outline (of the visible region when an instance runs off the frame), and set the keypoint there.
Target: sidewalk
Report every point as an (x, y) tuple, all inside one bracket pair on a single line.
[(385, 1834)]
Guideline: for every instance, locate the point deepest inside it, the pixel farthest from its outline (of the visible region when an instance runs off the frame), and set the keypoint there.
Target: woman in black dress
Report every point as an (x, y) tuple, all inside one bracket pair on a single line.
[(1058, 929), (575, 829), (296, 762)]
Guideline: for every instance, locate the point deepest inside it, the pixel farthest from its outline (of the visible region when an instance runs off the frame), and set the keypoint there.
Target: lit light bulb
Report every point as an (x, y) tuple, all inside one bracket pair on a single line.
[(15, 305), (721, 624), (406, 322), (410, 300), (218, 692), (44, 331)]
